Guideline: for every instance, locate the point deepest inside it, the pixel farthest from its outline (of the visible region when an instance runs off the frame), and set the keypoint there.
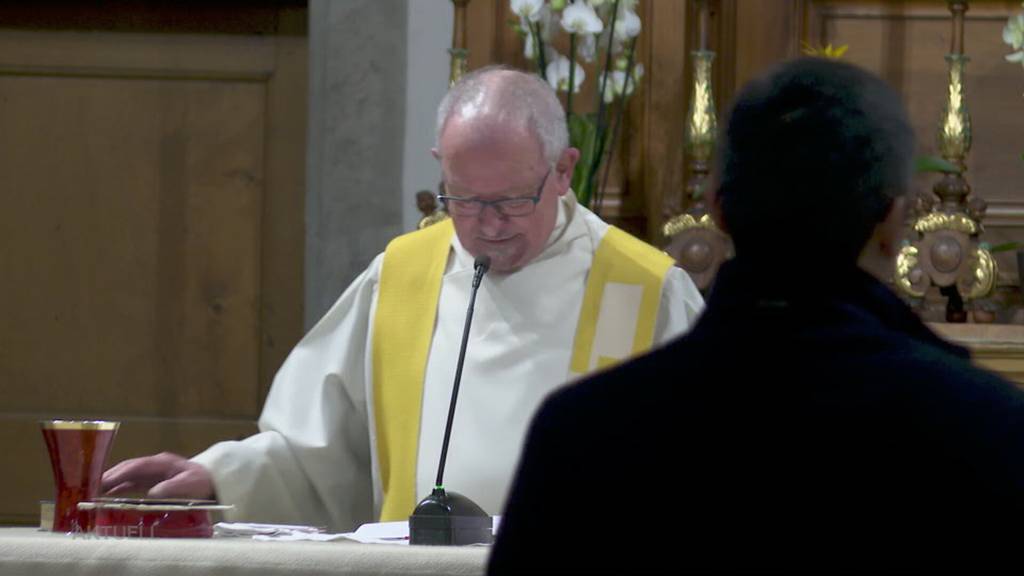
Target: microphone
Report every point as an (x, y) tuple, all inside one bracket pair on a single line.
[(480, 266), (449, 518)]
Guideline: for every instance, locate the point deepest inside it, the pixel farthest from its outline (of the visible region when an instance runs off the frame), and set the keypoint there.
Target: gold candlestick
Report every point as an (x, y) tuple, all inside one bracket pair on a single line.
[(701, 124), (459, 53), (946, 251), (694, 240)]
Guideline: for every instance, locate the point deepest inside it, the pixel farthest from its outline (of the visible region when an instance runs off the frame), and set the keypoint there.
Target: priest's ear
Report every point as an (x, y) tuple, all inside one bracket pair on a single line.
[(564, 168)]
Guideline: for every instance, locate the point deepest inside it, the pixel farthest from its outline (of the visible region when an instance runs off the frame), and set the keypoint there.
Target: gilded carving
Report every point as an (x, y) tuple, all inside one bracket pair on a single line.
[(942, 221), (983, 278), (701, 130), (686, 221), (906, 263), (955, 133)]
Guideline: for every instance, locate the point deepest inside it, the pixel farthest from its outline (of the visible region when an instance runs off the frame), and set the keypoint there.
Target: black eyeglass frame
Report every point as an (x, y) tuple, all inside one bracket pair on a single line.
[(496, 204)]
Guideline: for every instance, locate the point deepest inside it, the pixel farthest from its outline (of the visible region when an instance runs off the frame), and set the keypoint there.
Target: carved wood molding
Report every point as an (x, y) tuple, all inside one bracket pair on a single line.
[(72, 53), (1004, 214), (259, 76)]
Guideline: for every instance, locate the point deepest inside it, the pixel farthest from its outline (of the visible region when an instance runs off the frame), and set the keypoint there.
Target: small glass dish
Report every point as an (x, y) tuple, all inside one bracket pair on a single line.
[(151, 518)]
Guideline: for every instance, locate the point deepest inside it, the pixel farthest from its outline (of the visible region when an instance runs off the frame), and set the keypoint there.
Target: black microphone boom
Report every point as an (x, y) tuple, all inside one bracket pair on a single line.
[(480, 267), (448, 518)]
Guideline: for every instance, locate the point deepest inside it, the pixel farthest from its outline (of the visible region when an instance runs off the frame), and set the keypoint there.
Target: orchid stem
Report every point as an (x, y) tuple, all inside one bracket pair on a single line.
[(607, 70), (602, 124), (572, 74), (599, 195), (539, 43)]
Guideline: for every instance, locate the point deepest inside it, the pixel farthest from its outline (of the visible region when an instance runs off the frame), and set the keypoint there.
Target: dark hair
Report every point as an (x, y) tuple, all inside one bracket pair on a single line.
[(810, 160)]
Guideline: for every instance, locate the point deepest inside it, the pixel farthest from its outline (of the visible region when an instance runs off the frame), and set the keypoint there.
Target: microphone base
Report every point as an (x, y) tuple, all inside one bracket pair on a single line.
[(449, 519)]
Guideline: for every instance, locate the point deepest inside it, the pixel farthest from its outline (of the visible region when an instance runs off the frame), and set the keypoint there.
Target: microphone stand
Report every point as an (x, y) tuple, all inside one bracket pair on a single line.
[(449, 518)]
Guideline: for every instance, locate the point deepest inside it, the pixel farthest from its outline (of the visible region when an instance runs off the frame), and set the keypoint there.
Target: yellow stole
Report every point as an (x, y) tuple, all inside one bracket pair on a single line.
[(403, 326)]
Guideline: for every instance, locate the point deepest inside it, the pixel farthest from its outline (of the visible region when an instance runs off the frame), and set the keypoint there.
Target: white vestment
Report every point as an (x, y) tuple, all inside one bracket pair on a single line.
[(315, 459)]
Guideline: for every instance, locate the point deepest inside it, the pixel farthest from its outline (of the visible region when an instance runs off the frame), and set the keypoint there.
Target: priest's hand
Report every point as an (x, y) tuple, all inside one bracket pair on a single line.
[(163, 475)]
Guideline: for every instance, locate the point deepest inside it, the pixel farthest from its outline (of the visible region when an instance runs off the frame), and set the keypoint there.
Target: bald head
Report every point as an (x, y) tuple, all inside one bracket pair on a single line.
[(501, 136), (500, 100)]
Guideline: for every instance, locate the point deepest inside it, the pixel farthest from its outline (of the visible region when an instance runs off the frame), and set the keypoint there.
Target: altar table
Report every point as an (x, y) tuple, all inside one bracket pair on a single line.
[(28, 551)]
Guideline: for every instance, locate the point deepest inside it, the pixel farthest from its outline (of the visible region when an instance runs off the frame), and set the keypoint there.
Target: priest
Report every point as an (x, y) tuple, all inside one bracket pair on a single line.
[(352, 427)]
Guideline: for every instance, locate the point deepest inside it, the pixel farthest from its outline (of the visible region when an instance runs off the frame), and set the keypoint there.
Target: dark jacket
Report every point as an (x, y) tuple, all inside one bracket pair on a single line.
[(793, 428)]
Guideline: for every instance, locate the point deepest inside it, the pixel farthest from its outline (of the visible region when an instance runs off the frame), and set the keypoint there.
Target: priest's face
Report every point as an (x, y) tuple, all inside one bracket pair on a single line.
[(483, 164)]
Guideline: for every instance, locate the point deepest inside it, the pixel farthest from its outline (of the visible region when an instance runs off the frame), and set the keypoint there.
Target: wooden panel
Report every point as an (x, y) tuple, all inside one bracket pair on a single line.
[(765, 35), (135, 206), (151, 234), (212, 16), (724, 42), (665, 100), (283, 220)]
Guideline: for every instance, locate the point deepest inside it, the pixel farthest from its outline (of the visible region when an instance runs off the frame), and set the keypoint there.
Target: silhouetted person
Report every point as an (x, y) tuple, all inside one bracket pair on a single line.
[(809, 420)]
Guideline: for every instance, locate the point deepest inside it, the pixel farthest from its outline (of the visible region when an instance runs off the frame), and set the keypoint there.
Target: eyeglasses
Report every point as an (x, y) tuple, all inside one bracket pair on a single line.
[(514, 206)]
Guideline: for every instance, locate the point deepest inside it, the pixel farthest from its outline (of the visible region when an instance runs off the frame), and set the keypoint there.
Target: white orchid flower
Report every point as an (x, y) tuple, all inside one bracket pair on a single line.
[(1013, 33), (617, 83), (628, 5), (529, 9), (613, 89), (580, 18), (543, 21), (529, 43), (609, 88), (588, 47), (550, 54), (558, 74), (627, 26), (638, 72)]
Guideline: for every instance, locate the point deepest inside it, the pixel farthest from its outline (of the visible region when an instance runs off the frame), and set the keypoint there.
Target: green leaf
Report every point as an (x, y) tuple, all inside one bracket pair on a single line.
[(583, 136), (935, 164), (1004, 247), (698, 191)]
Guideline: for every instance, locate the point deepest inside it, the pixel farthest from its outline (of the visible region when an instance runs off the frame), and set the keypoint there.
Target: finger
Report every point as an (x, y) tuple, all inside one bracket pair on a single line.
[(144, 472), (114, 476), (117, 469), (194, 482), (121, 489)]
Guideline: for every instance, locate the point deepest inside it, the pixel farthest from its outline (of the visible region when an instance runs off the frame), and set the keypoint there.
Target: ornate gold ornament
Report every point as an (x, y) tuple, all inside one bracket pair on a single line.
[(977, 283), (955, 133), (702, 127), (906, 262), (943, 221), (984, 276), (685, 222), (459, 53)]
